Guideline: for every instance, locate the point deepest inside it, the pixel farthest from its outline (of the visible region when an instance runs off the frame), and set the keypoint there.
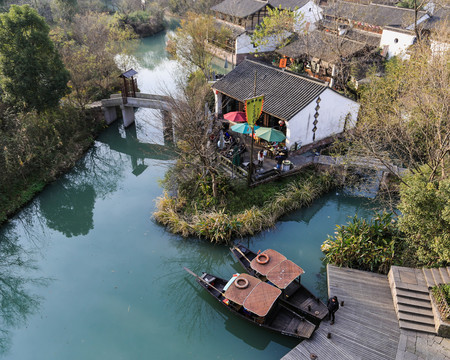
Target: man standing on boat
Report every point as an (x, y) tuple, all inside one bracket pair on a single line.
[(333, 306)]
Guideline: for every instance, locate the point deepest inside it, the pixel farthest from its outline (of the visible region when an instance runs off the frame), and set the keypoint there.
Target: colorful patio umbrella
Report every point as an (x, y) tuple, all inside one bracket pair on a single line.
[(270, 134), (235, 116), (243, 128)]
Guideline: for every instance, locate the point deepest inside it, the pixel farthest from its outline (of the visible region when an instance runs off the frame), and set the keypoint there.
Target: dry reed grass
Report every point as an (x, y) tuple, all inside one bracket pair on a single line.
[(220, 227)]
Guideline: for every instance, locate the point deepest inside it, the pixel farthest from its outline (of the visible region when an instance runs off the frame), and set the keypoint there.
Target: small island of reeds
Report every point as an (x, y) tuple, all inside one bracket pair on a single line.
[(239, 211)]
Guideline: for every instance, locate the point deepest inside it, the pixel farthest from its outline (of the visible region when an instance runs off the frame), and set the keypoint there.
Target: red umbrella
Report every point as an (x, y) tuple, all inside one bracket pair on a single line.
[(236, 116)]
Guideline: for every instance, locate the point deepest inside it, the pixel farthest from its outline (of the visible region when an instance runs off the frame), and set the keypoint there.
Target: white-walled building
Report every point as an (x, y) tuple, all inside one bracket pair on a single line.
[(395, 42), (290, 98)]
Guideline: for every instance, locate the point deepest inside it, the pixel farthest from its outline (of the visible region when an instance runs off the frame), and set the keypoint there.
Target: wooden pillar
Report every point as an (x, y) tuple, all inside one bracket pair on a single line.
[(133, 86), (218, 103), (124, 91)]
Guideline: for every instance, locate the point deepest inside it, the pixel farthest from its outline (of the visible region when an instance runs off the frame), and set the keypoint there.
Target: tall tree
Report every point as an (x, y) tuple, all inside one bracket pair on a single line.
[(89, 48), (32, 75), (66, 9), (404, 116), (277, 26), (189, 44), (194, 128)]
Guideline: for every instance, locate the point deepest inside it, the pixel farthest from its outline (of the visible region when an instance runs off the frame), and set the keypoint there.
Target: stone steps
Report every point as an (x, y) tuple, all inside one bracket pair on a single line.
[(409, 288), (407, 309), (407, 325), (413, 295), (414, 302), (420, 319)]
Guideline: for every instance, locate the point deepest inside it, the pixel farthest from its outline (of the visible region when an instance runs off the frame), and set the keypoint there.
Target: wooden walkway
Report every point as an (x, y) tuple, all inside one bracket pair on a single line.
[(366, 326)]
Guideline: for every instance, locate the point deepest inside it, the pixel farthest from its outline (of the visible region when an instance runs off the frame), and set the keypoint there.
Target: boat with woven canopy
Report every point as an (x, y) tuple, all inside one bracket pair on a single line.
[(274, 268), (257, 302)]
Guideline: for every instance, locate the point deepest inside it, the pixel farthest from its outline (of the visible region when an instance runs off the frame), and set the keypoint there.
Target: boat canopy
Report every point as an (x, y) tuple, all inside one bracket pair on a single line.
[(238, 295), (257, 297), (261, 299), (274, 259), (284, 273)]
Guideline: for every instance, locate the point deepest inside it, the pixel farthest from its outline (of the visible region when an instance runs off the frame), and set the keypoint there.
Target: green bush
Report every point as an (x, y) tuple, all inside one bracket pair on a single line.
[(365, 245), (425, 219)]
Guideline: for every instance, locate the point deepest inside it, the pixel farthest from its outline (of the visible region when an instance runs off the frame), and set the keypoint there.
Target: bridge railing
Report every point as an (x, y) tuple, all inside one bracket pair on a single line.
[(141, 100), (364, 162)]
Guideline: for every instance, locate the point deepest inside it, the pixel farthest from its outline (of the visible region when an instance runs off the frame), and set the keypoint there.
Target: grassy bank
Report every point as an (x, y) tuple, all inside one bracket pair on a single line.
[(247, 211)]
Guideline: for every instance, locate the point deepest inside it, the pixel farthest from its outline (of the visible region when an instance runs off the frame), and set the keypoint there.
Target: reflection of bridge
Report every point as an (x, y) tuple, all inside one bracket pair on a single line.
[(137, 151), (128, 104)]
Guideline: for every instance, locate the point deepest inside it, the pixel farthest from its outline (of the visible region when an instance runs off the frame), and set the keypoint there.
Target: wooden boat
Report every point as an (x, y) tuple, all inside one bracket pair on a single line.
[(257, 302), (272, 267)]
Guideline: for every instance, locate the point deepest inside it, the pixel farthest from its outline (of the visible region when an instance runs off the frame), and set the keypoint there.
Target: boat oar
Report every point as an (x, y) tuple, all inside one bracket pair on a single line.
[(240, 252), (207, 283)]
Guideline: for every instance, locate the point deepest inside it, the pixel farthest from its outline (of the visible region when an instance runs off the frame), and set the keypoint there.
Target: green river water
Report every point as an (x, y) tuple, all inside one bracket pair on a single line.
[(86, 273)]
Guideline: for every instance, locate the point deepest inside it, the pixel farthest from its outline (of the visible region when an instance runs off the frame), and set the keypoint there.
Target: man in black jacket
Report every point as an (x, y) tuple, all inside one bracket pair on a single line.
[(333, 306)]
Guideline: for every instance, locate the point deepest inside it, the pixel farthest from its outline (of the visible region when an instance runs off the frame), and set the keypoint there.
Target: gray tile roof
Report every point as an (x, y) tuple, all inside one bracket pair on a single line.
[(325, 46), (235, 29), (285, 93), (239, 8), (288, 4), (374, 14)]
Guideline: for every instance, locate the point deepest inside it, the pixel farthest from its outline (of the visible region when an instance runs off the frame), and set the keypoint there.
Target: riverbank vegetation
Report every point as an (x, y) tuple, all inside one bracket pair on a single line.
[(404, 121), (44, 88), (242, 212), (64, 58)]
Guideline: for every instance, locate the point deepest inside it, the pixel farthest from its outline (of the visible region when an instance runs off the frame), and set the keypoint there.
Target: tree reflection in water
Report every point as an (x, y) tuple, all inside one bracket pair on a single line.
[(16, 301), (69, 208)]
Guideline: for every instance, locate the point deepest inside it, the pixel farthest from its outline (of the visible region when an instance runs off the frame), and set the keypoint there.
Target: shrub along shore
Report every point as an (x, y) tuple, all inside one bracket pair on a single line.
[(75, 131), (222, 226)]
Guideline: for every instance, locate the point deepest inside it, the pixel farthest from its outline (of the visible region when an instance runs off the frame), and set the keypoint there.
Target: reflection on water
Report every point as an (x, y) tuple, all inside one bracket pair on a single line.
[(69, 208), (16, 300)]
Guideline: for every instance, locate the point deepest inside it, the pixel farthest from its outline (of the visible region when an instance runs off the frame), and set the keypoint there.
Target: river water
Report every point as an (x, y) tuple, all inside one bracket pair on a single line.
[(86, 273)]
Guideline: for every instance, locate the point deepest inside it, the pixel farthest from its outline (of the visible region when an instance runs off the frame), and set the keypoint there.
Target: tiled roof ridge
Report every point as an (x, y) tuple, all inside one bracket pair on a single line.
[(380, 5), (307, 78), (226, 23)]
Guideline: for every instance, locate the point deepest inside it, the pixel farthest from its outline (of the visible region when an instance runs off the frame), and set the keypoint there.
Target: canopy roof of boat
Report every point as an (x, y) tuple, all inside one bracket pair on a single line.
[(280, 271), (257, 297), (284, 273)]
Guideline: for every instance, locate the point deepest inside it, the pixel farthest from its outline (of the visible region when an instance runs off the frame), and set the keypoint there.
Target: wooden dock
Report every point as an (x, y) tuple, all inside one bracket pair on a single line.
[(366, 326)]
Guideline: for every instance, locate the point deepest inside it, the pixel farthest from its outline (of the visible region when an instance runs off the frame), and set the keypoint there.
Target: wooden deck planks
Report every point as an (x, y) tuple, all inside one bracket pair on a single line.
[(366, 326)]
